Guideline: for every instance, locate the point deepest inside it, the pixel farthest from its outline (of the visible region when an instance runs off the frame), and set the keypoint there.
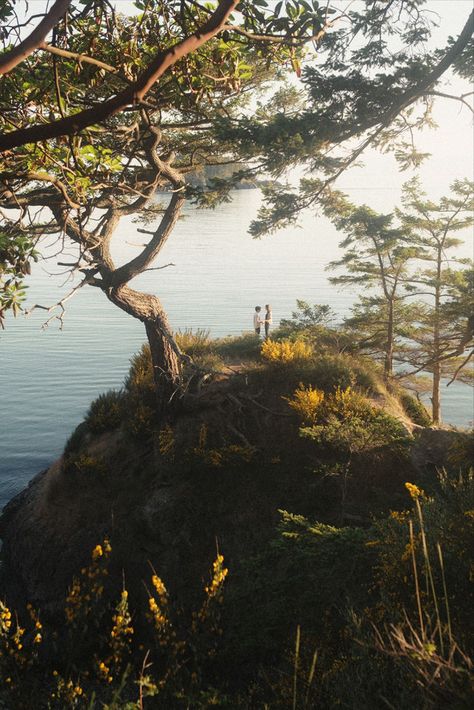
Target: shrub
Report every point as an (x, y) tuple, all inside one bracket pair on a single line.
[(346, 421), (415, 409), (194, 343), (209, 362), (89, 662), (141, 420), (76, 439), (353, 591), (461, 452), (106, 412), (140, 375), (307, 316), (328, 372), (242, 346), (306, 402), (286, 351)]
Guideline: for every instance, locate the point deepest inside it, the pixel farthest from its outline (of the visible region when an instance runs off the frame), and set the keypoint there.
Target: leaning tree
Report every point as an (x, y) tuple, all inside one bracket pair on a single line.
[(105, 110), (89, 179)]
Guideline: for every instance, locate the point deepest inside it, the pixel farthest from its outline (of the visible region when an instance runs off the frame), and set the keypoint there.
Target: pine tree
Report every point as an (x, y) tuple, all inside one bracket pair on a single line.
[(444, 326)]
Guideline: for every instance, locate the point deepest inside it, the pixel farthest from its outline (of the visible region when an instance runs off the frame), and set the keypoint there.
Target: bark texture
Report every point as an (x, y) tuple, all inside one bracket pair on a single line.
[(165, 354)]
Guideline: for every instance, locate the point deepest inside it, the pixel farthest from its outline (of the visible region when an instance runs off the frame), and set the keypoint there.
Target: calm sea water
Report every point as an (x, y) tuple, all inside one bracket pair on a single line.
[(49, 377)]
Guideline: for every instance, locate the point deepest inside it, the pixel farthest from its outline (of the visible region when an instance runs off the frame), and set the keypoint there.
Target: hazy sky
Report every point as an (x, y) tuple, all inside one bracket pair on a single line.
[(451, 144)]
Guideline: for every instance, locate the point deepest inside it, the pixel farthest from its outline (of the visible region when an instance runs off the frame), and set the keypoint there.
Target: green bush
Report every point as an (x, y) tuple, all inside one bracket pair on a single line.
[(348, 423), (194, 343), (106, 412), (141, 420), (245, 346), (140, 375), (76, 439), (209, 362), (415, 409), (328, 372), (352, 592)]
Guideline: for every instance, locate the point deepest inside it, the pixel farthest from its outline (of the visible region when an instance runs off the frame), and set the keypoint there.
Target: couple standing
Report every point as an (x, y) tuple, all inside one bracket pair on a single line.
[(258, 321)]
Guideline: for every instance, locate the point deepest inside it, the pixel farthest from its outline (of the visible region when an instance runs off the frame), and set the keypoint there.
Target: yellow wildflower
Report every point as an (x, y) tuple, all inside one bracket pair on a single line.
[(97, 552), (414, 491)]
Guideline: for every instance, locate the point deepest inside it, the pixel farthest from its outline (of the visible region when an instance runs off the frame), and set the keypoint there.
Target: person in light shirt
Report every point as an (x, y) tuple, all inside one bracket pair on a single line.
[(268, 319), (257, 321)]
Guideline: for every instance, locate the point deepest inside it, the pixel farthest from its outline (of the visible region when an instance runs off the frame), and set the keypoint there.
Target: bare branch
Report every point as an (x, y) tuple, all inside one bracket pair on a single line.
[(60, 304), (81, 58)]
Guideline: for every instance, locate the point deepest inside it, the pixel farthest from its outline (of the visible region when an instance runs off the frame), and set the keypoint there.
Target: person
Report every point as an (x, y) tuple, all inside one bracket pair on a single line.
[(257, 321), (268, 319)]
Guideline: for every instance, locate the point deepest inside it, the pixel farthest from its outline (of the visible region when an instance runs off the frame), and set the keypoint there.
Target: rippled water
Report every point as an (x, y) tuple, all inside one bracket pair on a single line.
[(48, 378)]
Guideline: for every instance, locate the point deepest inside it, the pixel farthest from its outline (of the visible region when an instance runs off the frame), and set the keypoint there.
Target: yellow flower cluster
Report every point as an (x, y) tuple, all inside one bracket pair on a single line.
[(67, 691), (91, 585), (11, 639), (159, 618), (219, 573), (307, 402), (346, 403), (414, 491), (285, 351), (159, 612), (122, 630), (5, 619), (159, 587), (104, 672)]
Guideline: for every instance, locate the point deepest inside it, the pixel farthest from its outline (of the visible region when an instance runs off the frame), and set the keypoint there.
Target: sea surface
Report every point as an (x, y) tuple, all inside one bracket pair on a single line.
[(48, 377)]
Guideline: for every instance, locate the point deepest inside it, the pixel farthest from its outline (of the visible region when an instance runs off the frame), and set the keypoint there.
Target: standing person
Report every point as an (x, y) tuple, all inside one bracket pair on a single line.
[(268, 319), (257, 321)]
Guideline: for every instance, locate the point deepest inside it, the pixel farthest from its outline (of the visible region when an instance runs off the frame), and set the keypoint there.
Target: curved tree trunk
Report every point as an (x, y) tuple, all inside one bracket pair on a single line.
[(166, 364), (165, 354)]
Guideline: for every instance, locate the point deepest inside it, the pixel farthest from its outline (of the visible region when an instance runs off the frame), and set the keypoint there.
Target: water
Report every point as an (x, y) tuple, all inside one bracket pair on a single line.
[(48, 378)]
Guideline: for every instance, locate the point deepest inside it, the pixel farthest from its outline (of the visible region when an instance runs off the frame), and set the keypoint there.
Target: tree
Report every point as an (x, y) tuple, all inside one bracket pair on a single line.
[(377, 258), (112, 109), (298, 26), (445, 327), (373, 85), (88, 182)]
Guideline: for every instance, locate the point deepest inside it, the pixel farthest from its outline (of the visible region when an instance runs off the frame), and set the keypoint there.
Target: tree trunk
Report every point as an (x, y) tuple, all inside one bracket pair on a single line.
[(388, 364), (166, 364), (164, 351), (435, 399)]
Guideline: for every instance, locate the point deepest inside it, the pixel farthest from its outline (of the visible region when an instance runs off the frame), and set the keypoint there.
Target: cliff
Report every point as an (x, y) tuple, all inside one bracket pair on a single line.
[(218, 472)]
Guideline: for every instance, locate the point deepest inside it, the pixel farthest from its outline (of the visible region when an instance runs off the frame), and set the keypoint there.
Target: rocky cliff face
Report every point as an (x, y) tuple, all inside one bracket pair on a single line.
[(169, 511)]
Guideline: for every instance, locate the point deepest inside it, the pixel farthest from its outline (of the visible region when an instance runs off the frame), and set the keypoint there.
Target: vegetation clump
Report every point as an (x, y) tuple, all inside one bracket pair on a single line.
[(283, 352), (344, 615), (415, 410), (106, 412)]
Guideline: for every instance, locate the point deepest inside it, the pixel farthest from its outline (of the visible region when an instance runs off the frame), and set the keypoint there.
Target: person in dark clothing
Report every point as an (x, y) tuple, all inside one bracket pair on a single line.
[(268, 319), (257, 321)]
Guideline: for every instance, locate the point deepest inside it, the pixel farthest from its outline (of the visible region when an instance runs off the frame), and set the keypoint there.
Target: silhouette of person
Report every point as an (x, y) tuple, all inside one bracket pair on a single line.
[(257, 321), (268, 319)]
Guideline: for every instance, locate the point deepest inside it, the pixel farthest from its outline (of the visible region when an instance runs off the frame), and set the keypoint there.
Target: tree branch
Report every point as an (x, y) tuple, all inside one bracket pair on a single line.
[(132, 95), (81, 58), (461, 366), (10, 59)]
